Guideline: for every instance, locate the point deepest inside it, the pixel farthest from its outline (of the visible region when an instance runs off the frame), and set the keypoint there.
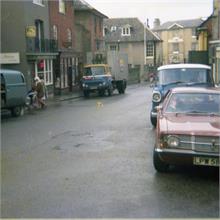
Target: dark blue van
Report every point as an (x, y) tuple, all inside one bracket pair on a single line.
[(13, 91), (177, 75)]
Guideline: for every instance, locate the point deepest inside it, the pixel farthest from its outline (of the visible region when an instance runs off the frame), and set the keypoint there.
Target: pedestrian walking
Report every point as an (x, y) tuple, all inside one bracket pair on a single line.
[(40, 92), (151, 79), (32, 94)]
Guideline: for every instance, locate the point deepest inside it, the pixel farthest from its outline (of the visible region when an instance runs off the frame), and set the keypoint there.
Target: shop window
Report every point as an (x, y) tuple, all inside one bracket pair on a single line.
[(44, 70)]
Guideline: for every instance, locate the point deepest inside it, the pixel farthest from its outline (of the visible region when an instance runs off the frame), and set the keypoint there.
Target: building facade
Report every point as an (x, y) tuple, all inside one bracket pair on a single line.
[(25, 40), (179, 37), (131, 36), (214, 43), (208, 34), (89, 31), (62, 29)]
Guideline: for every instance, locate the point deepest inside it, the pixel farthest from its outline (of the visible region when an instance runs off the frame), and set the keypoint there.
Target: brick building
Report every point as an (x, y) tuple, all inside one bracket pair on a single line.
[(89, 30), (62, 29)]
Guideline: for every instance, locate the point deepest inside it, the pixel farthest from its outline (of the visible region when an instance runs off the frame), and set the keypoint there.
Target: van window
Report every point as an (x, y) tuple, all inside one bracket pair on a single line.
[(14, 78), (2, 82), (185, 75)]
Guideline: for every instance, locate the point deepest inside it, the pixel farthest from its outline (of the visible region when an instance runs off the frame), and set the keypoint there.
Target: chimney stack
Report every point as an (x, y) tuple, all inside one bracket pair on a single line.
[(156, 23)]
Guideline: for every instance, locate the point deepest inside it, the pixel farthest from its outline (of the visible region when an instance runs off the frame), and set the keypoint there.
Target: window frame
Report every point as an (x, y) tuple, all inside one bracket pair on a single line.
[(47, 71), (126, 31), (39, 2), (55, 32), (113, 47), (69, 35), (149, 49), (62, 6)]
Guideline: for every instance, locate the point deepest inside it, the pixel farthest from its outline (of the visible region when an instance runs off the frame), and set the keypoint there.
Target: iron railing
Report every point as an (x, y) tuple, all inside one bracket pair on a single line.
[(36, 45)]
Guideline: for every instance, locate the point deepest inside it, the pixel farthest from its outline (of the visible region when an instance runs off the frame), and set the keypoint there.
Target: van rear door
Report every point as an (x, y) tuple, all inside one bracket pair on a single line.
[(15, 89)]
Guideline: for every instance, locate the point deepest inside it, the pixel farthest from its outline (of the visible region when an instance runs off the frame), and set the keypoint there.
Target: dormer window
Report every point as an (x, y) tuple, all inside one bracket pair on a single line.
[(105, 31), (113, 28), (126, 31)]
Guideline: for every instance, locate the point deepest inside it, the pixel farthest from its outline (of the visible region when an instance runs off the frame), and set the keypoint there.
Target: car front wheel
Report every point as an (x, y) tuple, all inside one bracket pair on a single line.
[(159, 165)]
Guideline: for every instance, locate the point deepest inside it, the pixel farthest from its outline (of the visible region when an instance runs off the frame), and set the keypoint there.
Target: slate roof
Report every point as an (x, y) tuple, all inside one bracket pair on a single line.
[(81, 5), (192, 23), (137, 30)]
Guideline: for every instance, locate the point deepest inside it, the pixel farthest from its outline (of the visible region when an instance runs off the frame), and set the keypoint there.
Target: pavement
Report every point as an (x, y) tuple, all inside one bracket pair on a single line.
[(71, 95), (77, 93)]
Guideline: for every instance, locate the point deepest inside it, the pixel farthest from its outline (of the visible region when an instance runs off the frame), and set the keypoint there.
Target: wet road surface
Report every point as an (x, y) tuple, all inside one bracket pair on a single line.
[(92, 158)]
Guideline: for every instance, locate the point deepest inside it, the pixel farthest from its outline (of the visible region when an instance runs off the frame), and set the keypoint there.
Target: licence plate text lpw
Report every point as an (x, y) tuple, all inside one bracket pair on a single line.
[(205, 161)]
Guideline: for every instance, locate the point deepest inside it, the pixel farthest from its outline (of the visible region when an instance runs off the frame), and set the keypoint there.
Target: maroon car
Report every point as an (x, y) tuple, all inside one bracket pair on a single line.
[(188, 128)]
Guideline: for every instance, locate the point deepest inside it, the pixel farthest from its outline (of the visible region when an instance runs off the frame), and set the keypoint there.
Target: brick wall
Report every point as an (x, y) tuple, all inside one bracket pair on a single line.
[(62, 21)]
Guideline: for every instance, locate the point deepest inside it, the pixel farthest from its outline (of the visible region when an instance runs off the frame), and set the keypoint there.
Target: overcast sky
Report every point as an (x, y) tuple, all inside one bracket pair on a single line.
[(165, 10)]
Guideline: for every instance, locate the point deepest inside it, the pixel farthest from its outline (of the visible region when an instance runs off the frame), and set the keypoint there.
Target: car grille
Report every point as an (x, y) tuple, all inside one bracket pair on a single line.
[(199, 143)]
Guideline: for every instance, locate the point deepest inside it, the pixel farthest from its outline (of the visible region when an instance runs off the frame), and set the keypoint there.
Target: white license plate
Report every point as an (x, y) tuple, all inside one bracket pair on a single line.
[(206, 161)]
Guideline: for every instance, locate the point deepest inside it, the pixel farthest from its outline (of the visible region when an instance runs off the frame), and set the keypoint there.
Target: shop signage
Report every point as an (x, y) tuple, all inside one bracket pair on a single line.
[(9, 58)]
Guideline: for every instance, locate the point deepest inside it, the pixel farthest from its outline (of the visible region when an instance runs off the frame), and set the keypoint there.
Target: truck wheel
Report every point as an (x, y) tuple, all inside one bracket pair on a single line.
[(101, 92), (159, 165), (110, 91), (17, 111), (121, 87), (86, 94)]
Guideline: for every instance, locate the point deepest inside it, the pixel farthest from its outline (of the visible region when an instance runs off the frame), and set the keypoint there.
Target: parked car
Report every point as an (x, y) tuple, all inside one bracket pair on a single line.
[(13, 91), (176, 75), (188, 128)]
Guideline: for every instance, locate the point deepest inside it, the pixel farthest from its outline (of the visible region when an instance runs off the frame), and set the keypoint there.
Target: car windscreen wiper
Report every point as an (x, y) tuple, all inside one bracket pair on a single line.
[(197, 112), (176, 82), (195, 83)]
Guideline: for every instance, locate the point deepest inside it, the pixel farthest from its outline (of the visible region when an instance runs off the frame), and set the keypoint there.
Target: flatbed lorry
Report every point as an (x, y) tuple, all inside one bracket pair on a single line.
[(105, 78)]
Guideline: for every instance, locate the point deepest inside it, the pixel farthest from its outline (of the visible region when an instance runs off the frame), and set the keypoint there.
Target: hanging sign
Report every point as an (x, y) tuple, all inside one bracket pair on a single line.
[(30, 31)]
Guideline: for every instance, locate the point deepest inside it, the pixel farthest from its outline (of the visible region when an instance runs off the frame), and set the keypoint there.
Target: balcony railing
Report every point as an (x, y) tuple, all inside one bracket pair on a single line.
[(36, 45)]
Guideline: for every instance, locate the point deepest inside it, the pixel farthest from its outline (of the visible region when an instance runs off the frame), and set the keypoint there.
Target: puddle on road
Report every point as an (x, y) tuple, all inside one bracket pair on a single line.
[(92, 141)]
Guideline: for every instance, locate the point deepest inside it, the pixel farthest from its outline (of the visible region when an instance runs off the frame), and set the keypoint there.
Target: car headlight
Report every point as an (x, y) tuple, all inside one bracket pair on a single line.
[(173, 141), (156, 96)]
